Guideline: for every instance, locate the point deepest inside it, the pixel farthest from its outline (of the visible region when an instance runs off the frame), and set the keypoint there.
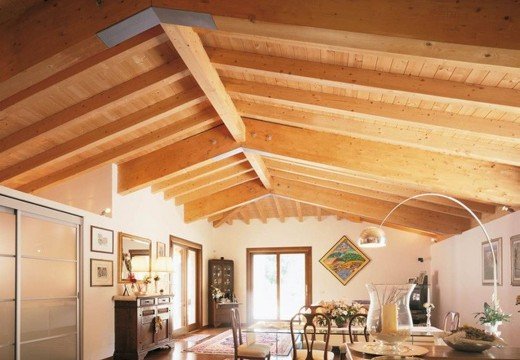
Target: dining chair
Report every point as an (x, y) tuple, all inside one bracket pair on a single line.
[(451, 321), (352, 321), (312, 349), (246, 351)]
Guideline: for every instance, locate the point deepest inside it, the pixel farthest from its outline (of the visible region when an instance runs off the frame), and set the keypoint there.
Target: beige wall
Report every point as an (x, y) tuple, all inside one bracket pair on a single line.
[(393, 264), (456, 269)]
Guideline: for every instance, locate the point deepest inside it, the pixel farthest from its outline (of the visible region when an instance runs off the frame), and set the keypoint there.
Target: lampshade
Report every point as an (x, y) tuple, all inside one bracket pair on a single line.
[(163, 264), (372, 237), (141, 264)]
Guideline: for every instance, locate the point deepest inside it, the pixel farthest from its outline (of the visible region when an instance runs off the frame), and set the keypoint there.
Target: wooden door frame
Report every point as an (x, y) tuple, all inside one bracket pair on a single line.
[(307, 250), (174, 240)]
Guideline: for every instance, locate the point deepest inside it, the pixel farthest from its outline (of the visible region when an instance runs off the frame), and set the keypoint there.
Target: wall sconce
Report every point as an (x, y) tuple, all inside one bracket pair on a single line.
[(106, 211)]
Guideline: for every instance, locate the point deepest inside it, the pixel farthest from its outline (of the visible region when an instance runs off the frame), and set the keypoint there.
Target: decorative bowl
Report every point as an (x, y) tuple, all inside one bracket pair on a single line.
[(468, 347)]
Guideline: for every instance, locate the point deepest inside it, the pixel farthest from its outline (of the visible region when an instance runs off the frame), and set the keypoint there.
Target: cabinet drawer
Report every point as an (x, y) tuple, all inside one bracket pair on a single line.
[(164, 300), (147, 315), (146, 302)]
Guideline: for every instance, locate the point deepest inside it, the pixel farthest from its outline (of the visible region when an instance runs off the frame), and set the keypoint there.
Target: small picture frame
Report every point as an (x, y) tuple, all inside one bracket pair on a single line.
[(421, 278), (412, 280), (487, 261), (101, 240), (515, 260), (101, 272), (161, 249)]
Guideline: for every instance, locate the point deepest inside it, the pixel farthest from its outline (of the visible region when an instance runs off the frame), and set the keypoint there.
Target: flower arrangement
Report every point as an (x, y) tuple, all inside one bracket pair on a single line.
[(156, 278), (340, 311), (492, 315), (216, 293), (132, 279), (428, 306), (147, 280)]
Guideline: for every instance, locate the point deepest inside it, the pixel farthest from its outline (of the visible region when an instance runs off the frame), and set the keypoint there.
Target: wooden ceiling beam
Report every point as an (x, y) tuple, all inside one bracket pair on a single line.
[(224, 200), (227, 217), (371, 184), (133, 46), (351, 78), (358, 205), (467, 146), (180, 129), (108, 132), (318, 213), (215, 187), (260, 211), (495, 130), (258, 165), (187, 43), (197, 151), (426, 171), (279, 210), (244, 214), (132, 88), (299, 210), (183, 177), (371, 194)]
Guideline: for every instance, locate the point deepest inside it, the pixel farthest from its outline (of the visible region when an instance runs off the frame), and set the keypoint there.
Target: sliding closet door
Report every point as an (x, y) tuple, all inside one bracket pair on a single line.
[(49, 289), (39, 288), (7, 288)]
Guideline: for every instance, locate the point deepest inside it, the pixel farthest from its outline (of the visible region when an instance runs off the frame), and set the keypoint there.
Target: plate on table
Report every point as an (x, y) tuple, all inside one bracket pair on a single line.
[(405, 349)]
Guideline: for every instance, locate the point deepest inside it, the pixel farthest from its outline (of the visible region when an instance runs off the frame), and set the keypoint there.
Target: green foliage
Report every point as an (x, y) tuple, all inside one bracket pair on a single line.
[(491, 315), (351, 256)]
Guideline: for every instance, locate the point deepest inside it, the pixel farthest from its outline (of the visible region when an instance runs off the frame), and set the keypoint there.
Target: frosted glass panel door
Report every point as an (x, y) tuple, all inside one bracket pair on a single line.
[(7, 287), (39, 299), (49, 289)]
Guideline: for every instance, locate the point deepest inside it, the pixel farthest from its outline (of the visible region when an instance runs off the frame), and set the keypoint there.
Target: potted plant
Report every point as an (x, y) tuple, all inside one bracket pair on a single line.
[(341, 312), (492, 318)]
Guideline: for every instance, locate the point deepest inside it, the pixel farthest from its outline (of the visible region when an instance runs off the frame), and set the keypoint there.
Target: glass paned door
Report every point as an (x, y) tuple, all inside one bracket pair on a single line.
[(7, 288), (279, 282), (186, 285)]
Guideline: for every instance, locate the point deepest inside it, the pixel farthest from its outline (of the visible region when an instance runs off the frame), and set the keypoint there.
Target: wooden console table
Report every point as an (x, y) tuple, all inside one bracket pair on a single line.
[(221, 313)]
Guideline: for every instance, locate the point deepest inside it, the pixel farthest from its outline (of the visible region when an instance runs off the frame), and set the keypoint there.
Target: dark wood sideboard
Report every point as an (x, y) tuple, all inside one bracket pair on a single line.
[(142, 324)]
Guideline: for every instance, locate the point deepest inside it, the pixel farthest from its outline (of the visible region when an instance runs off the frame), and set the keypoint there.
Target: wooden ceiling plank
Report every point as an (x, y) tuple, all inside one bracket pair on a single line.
[(135, 45), (351, 78), (217, 176), (178, 131), (318, 213), (299, 211), (224, 200), (357, 205), (183, 177), (196, 151), (278, 208), (370, 184), (467, 146), (260, 211), (427, 171), (155, 78), (375, 111), (189, 46), (227, 217), (244, 214), (331, 184), (214, 188), (108, 132), (258, 165)]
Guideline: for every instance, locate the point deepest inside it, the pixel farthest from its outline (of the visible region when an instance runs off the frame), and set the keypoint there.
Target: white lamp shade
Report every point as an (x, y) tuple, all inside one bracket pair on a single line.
[(163, 264), (141, 264), (372, 237)]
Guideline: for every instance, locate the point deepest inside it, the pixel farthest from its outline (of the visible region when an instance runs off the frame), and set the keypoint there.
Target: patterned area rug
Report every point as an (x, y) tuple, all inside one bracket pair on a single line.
[(222, 344), (193, 338)]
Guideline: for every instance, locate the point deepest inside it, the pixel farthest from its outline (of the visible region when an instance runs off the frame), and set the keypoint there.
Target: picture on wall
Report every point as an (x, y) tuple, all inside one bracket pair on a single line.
[(487, 261), (161, 249), (344, 260), (515, 260), (101, 272), (101, 240)]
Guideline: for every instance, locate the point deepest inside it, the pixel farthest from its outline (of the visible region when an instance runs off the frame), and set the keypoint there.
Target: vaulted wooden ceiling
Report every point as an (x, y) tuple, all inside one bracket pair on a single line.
[(315, 109)]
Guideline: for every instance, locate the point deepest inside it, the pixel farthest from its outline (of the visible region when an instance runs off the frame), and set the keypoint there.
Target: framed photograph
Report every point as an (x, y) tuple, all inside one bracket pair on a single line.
[(101, 240), (412, 280), (515, 260), (101, 272), (344, 260), (161, 249), (487, 261)]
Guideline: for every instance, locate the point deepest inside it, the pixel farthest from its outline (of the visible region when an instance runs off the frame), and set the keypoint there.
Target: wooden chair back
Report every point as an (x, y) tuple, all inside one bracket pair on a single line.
[(352, 321), (309, 332), (451, 321), (236, 329)]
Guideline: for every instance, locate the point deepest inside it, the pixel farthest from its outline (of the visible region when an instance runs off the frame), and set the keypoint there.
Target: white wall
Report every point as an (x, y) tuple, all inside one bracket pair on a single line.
[(393, 264), (141, 213), (456, 269)]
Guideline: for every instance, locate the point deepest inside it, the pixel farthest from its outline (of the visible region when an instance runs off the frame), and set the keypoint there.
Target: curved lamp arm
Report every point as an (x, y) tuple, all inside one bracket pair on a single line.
[(494, 297)]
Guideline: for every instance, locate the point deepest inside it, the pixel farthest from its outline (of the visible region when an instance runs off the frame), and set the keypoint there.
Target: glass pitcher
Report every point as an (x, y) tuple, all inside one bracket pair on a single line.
[(389, 318)]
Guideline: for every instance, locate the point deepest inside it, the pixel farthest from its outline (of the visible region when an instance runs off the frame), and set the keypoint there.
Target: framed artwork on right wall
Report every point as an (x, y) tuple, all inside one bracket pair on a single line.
[(487, 261), (515, 260)]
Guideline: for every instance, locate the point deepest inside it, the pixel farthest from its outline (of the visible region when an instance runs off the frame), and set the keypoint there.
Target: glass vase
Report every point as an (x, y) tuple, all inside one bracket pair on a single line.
[(389, 318)]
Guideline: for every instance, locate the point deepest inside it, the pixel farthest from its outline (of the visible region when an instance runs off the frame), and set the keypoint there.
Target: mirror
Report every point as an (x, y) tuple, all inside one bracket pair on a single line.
[(134, 256)]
